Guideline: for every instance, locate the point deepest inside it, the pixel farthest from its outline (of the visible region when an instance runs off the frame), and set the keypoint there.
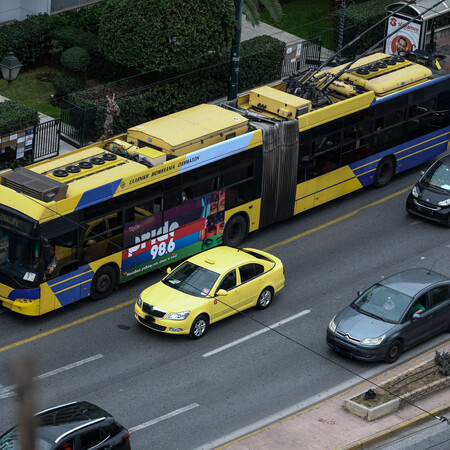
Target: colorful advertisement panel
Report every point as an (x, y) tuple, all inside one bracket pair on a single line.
[(406, 39), (159, 239)]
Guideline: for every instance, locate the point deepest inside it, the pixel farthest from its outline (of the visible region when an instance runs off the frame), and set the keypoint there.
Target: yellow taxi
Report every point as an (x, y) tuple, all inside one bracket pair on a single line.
[(207, 288)]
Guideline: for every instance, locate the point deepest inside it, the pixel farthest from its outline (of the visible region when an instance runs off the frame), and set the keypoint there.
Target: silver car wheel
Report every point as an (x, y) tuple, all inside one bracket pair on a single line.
[(264, 299), (198, 328)]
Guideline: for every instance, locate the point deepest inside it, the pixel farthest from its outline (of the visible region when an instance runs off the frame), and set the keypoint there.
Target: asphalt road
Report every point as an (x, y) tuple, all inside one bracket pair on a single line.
[(174, 393)]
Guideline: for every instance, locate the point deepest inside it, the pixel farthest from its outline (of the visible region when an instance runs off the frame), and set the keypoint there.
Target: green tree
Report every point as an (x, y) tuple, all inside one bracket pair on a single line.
[(156, 34), (251, 8)]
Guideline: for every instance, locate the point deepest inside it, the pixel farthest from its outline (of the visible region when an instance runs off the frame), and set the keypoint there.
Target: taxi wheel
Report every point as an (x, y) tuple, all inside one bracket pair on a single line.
[(393, 352), (103, 283), (264, 299), (199, 326)]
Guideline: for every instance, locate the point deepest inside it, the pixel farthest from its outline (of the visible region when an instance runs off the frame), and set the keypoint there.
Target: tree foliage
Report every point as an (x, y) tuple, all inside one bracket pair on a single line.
[(156, 34)]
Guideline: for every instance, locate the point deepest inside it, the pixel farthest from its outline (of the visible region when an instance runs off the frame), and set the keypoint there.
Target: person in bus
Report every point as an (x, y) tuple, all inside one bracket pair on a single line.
[(53, 262)]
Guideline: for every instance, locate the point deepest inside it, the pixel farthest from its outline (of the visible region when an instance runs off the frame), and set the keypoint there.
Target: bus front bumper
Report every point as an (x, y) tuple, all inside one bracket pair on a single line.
[(27, 307)]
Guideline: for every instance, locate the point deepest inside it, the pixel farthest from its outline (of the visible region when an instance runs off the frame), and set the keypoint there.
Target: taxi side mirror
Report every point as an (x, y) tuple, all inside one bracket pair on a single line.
[(222, 293), (168, 270)]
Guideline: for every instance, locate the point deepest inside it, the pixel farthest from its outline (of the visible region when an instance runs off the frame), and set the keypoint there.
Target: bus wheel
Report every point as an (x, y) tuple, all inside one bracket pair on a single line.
[(103, 283), (384, 173), (235, 231)]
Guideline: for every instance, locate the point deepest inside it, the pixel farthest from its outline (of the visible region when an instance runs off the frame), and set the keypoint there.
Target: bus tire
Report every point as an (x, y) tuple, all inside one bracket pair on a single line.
[(384, 173), (103, 283), (235, 231)]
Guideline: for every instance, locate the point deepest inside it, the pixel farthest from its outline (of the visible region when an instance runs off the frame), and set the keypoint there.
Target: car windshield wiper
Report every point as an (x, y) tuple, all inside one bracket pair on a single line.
[(438, 188), (372, 315)]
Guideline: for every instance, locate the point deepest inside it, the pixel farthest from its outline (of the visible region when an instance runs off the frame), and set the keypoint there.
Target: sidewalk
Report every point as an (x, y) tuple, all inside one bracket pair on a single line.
[(327, 425)]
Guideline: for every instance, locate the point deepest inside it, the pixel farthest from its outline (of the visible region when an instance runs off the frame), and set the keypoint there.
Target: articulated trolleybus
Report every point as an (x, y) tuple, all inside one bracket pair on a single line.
[(79, 224)]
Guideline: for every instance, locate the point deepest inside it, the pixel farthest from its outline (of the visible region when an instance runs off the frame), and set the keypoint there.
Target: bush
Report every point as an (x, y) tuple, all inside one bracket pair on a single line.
[(362, 16), (16, 116), (155, 34), (443, 361), (86, 18), (75, 59), (66, 83), (28, 39), (68, 36)]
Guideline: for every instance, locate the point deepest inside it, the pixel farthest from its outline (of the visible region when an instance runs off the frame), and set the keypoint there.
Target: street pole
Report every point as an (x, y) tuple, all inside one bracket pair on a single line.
[(235, 53), (341, 32)]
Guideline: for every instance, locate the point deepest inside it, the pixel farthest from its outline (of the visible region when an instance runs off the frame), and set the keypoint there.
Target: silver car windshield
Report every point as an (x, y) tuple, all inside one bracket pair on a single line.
[(438, 176), (192, 279), (382, 302)]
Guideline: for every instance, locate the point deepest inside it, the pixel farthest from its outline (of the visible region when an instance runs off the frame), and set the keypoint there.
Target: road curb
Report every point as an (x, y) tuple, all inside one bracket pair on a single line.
[(362, 443)]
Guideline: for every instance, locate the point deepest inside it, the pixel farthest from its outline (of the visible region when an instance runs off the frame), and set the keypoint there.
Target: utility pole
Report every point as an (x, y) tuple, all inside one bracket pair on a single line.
[(341, 31), (235, 53)]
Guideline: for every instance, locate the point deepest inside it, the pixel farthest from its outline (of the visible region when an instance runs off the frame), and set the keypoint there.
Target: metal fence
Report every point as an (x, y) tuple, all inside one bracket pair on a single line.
[(78, 124), (305, 53), (330, 41), (46, 140)]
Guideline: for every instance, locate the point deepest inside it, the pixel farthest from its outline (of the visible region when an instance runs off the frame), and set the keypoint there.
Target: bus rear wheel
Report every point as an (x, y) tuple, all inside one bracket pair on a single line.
[(103, 283), (235, 231), (384, 173)]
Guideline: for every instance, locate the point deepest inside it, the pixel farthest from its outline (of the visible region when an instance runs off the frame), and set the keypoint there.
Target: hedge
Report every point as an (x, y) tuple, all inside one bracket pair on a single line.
[(261, 63), (28, 39), (16, 116)]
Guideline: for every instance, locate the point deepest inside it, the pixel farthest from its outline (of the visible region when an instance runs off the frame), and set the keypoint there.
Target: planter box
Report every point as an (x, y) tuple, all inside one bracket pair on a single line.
[(393, 405)]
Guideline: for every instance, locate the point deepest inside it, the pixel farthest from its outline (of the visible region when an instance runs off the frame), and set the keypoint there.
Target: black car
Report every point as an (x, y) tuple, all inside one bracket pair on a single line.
[(393, 315), (430, 197), (73, 426)]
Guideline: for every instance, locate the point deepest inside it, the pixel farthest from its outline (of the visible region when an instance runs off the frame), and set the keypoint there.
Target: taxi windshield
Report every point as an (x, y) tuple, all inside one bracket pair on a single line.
[(192, 279)]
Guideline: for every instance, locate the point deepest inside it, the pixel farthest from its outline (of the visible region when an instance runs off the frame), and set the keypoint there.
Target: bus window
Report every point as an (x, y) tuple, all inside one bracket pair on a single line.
[(103, 237)]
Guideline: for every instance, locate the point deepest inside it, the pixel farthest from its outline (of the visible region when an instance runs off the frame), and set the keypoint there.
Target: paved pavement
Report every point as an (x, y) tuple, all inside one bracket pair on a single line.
[(327, 425)]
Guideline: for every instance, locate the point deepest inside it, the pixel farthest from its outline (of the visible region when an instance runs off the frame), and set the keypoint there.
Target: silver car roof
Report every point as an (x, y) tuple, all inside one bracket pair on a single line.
[(412, 281)]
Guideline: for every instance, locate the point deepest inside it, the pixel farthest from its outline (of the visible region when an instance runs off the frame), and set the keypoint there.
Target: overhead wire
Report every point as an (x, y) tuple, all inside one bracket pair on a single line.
[(377, 385)]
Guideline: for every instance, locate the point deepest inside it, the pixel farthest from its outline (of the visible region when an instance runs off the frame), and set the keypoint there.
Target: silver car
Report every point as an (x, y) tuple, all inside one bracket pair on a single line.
[(393, 315)]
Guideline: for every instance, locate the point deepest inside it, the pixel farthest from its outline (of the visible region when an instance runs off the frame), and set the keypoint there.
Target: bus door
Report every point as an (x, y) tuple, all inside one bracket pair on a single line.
[(279, 176)]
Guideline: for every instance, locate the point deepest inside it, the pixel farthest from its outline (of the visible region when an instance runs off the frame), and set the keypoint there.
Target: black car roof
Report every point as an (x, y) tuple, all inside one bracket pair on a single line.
[(412, 281), (60, 421)]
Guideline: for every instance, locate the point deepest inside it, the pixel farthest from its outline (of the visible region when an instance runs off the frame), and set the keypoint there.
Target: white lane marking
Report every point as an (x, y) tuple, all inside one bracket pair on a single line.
[(166, 416), (8, 391), (256, 333), (289, 411)]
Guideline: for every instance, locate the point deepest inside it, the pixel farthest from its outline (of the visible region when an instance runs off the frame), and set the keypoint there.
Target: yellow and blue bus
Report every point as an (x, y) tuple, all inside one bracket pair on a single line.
[(206, 176)]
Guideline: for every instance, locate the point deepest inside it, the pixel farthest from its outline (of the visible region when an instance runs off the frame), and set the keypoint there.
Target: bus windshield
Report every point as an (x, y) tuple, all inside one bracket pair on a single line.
[(19, 257)]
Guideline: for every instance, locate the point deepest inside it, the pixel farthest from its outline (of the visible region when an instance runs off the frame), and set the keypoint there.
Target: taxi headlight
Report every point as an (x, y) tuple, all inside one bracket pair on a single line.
[(373, 341), (444, 202), (139, 302), (178, 315), (415, 192)]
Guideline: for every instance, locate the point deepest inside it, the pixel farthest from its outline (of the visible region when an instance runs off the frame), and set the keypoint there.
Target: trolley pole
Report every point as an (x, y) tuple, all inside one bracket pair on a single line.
[(235, 53)]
